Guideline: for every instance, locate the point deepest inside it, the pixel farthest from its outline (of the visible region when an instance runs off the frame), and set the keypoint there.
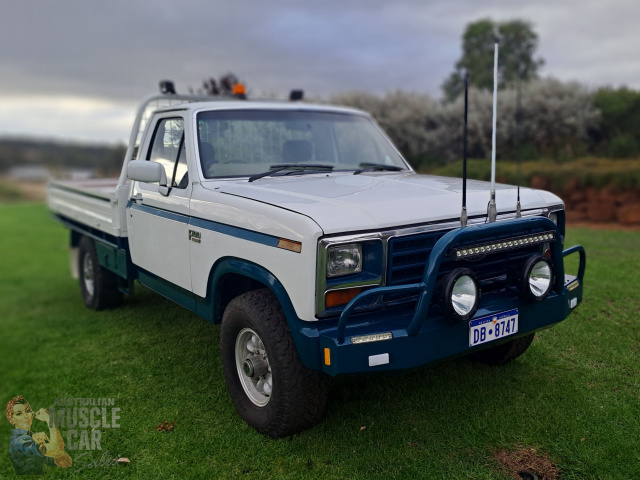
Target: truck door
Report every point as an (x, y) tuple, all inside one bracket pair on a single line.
[(158, 224)]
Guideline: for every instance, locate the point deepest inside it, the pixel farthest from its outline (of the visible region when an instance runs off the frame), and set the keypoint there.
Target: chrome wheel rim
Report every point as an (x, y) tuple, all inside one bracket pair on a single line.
[(87, 274), (252, 364)]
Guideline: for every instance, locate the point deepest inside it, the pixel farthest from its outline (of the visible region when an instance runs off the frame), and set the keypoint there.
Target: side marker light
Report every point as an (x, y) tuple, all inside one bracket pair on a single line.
[(289, 245), (327, 356)]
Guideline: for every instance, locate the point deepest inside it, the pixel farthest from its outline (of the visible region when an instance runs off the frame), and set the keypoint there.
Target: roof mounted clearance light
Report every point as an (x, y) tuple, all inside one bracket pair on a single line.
[(239, 91), (167, 87), (296, 95), (461, 253)]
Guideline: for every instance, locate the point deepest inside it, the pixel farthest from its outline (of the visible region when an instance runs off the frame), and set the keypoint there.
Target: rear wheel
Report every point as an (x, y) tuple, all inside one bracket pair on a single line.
[(270, 386), (98, 285), (503, 353)]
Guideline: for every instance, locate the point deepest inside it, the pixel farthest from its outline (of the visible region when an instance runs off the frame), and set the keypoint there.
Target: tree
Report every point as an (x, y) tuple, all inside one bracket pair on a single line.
[(557, 121), (620, 110), (518, 43)]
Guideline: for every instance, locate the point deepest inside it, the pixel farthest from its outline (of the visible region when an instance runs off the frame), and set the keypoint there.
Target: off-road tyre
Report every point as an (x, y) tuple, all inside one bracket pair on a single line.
[(98, 285), (298, 396), (503, 353)]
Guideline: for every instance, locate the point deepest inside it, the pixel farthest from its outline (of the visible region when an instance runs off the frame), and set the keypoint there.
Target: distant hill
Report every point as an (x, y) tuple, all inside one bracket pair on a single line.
[(105, 160)]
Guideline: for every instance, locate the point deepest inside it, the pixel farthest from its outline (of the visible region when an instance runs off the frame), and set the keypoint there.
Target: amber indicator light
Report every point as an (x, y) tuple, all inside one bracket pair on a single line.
[(341, 297), (290, 245)]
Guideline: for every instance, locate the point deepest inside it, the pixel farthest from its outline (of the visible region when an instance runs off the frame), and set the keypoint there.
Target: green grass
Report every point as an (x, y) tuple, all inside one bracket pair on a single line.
[(574, 395)]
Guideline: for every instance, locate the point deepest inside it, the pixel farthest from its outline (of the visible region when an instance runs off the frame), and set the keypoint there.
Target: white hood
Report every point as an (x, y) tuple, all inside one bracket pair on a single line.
[(341, 203)]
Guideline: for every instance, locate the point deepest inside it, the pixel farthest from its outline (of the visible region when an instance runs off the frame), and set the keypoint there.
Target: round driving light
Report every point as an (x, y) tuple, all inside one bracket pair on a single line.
[(460, 294), (537, 278), (463, 295)]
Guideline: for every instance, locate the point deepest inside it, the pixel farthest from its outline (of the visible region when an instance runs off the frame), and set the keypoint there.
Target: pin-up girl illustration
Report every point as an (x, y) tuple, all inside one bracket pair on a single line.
[(29, 451)]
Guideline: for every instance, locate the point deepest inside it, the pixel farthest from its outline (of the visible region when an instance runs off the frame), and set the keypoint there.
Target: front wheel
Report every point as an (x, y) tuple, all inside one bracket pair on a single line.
[(503, 353), (269, 385)]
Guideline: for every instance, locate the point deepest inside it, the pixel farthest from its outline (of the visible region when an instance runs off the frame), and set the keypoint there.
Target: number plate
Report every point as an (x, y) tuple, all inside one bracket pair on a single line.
[(492, 327)]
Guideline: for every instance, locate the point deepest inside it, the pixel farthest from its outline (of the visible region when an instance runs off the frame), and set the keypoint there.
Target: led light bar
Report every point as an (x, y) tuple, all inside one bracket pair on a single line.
[(376, 337), (501, 246)]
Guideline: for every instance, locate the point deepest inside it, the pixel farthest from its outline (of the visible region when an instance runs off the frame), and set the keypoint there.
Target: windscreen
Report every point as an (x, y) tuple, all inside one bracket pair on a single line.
[(247, 142)]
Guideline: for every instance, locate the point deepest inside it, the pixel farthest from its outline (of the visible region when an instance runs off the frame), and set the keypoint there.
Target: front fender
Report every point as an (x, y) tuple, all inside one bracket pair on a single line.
[(305, 334)]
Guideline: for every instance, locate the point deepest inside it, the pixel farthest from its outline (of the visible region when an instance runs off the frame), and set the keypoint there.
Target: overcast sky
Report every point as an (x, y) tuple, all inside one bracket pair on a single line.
[(75, 69)]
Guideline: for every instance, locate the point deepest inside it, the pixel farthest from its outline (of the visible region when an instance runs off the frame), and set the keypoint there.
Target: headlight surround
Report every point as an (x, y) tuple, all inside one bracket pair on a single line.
[(344, 260), (460, 294), (536, 281)]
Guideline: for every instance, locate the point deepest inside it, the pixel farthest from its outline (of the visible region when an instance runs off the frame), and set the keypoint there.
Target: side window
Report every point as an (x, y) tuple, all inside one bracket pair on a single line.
[(168, 149)]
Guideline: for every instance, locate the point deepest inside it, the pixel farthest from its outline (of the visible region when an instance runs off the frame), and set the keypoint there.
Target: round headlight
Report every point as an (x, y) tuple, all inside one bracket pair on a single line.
[(537, 278), (461, 294)]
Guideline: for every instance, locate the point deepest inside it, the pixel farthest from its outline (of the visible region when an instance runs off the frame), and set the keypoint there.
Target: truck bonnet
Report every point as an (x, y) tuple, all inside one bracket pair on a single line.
[(348, 203)]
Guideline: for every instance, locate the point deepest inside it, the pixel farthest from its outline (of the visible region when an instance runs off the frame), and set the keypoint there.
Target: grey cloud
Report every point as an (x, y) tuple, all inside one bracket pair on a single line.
[(118, 50)]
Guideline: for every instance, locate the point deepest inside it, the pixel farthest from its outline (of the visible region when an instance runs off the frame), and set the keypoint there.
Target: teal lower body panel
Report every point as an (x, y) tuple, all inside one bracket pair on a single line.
[(439, 338), (114, 259), (168, 290)]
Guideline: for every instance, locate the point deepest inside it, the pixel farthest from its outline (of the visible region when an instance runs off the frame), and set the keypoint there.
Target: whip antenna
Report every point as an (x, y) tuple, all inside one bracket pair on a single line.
[(491, 210), (518, 152), (463, 214)]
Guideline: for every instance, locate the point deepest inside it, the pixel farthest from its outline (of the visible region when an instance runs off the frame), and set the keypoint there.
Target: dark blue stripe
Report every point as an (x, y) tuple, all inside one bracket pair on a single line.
[(160, 213), (237, 232)]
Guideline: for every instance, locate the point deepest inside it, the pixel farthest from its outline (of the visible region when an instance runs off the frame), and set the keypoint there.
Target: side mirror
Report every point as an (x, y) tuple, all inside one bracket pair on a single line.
[(148, 172)]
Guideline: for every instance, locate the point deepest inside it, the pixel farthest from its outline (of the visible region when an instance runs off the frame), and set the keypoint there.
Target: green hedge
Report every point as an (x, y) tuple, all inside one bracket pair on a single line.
[(561, 177)]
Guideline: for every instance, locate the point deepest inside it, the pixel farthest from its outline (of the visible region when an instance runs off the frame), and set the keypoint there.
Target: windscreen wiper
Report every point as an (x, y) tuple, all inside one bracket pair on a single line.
[(374, 167), (294, 167)]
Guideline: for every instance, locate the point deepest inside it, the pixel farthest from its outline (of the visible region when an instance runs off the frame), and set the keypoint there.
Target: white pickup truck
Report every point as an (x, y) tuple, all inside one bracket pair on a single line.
[(303, 231)]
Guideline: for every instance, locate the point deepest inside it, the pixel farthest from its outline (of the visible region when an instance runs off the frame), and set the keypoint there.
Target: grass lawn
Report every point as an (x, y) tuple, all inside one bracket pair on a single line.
[(573, 397)]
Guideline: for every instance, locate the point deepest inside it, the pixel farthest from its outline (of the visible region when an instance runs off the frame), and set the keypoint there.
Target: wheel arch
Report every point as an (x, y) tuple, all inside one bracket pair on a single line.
[(232, 276)]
